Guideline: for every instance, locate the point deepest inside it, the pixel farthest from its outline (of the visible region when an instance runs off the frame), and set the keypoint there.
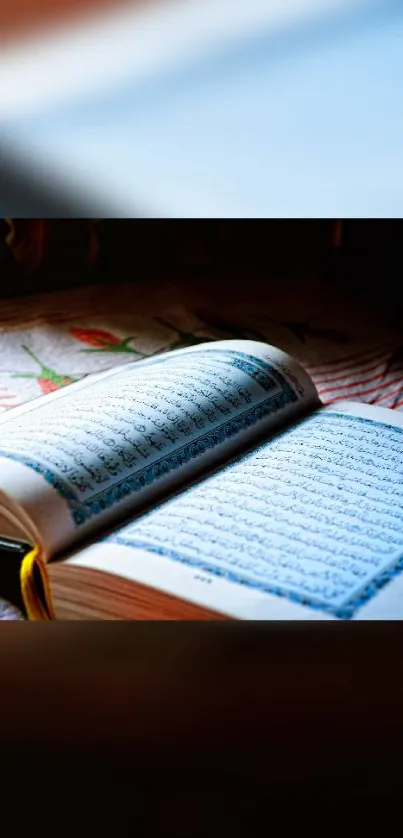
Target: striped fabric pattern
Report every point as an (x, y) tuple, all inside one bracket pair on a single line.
[(374, 377), (7, 399)]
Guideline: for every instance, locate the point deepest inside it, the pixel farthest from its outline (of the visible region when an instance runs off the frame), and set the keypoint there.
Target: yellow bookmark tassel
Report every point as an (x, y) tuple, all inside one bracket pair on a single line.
[(35, 587)]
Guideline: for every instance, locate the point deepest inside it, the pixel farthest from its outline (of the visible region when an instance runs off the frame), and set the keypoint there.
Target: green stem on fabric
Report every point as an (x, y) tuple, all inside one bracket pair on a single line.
[(116, 348), (47, 372)]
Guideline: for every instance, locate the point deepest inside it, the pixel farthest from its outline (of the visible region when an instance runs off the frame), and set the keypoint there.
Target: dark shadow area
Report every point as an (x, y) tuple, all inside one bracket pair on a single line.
[(366, 263), (25, 195), (202, 730)]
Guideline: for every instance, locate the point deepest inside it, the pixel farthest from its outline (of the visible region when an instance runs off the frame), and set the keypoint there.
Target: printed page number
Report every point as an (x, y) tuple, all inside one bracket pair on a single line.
[(205, 579)]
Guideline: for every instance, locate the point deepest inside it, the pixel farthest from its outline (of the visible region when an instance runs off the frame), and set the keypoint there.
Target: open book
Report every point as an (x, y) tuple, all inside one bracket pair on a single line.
[(204, 483)]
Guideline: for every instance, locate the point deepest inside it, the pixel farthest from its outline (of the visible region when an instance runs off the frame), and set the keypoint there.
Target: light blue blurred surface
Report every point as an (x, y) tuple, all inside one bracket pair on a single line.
[(310, 124)]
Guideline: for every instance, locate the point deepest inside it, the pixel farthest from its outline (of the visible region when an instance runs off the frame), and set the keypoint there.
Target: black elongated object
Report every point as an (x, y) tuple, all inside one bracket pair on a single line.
[(12, 553)]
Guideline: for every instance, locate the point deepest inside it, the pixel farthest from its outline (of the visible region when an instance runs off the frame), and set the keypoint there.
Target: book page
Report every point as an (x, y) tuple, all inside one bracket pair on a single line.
[(97, 450), (308, 526)]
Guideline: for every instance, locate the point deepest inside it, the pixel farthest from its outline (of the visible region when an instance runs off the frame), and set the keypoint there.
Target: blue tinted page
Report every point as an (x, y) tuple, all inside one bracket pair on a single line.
[(111, 441), (304, 122), (313, 516)]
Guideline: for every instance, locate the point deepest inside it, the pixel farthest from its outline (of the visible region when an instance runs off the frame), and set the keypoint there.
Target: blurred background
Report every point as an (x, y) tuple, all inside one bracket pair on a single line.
[(360, 258), (29, 16), (195, 108)]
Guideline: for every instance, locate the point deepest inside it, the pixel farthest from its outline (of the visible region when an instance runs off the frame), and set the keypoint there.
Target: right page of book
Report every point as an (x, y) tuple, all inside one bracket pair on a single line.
[(307, 526)]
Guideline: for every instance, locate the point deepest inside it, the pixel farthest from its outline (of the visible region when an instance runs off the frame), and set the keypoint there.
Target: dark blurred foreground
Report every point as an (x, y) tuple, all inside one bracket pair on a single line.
[(198, 730)]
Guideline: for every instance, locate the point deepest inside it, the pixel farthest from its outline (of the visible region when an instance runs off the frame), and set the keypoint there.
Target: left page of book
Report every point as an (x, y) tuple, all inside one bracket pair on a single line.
[(75, 462)]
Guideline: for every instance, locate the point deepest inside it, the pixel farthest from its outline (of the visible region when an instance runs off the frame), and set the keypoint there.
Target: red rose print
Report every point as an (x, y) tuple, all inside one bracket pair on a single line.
[(95, 337), (48, 385), (101, 341)]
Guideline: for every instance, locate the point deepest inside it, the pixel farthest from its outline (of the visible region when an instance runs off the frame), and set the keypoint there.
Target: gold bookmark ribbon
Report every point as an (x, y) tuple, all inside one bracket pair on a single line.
[(35, 587)]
